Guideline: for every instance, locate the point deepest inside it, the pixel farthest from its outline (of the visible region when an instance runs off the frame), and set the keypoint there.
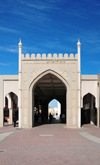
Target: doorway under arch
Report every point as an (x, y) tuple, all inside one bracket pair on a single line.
[(58, 113), (10, 108), (48, 87), (89, 110), (54, 109)]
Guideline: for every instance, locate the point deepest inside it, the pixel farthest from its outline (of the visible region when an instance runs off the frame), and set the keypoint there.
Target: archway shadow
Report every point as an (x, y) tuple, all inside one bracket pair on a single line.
[(47, 122), (89, 110)]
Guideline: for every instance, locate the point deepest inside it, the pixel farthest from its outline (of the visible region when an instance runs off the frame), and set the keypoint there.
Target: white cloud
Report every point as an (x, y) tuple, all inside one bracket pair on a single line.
[(95, 62), (7, 64), (34, 11), (14, 49), (6, 29), (4, 64), (43, 5)]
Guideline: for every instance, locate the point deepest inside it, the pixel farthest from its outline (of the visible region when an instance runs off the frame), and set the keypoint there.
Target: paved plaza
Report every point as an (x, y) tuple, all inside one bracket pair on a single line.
[(50, 144)]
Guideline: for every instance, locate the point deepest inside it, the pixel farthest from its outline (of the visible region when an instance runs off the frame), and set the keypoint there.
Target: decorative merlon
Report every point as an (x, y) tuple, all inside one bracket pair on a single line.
[(49, 56)]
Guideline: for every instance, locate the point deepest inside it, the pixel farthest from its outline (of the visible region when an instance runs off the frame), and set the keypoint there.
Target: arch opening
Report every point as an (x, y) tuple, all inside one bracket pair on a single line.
[(46, 89), (10, 108), (89, 110), (54, 111)]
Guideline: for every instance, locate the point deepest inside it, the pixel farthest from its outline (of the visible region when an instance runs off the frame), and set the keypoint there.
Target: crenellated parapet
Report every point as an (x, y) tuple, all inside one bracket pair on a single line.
[(50, 56)]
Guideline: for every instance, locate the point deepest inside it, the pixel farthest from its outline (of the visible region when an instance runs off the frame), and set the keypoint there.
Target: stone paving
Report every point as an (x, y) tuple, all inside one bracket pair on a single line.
[(50, 144)]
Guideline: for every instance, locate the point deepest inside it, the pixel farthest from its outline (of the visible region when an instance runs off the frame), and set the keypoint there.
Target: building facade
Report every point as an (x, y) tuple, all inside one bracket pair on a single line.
[(43, 78)]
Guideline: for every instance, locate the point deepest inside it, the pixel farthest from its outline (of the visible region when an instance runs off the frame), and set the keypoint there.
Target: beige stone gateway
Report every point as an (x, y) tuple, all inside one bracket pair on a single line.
[(43, 78)]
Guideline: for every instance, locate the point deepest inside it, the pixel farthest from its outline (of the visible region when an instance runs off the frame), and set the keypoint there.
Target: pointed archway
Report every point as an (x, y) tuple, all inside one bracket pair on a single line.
[(49, 85), (11, 107), (89, 110), (55, 104), (54, 108)]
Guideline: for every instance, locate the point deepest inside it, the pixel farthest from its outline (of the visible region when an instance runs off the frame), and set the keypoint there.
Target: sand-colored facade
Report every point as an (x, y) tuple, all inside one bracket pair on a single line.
[(45, 77)]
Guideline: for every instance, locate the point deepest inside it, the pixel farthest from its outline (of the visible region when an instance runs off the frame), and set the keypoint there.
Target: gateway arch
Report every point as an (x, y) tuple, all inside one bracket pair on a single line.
[(43, 77), (46, 87)]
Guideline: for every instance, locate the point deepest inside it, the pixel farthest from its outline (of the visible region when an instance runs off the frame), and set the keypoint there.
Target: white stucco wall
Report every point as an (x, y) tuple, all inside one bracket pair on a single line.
[(10, 84), (89, 84)]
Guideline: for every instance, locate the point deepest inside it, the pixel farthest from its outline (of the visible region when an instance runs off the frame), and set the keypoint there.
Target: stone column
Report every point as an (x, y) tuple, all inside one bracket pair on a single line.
[(10, 106), (20, 85), (98, 103), (91, 110), (31, 109), (59, 109), (68, 110), (79, 84), (1, 102), (45, 109)]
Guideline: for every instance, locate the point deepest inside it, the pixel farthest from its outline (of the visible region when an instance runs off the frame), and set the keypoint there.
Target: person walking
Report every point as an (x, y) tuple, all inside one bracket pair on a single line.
[(14, 119)]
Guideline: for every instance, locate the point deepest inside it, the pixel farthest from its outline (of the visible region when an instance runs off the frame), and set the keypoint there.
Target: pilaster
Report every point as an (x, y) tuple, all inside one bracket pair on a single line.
[(10, 109), (20, 84), (79, 83), (1, 103)]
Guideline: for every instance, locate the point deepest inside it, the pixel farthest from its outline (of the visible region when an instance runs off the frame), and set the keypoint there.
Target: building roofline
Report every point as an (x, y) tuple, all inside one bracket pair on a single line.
[(89, 77), (9, 77)]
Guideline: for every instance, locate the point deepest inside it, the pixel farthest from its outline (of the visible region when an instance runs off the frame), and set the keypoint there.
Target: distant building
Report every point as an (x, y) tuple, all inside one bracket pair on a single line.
[(55, 111)]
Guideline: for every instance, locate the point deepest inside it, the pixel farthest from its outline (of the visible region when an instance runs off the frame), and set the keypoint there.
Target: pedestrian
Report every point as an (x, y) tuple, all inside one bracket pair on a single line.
[(50, 117), (14, 119)]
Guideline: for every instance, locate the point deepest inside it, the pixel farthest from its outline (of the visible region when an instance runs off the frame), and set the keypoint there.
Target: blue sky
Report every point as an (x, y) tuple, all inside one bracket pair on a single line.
[(50, 26)]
